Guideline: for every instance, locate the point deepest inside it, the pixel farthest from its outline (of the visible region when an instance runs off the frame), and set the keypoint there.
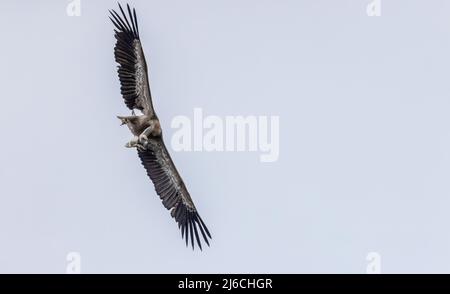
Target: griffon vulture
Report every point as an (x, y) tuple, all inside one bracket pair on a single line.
[(146, 128)]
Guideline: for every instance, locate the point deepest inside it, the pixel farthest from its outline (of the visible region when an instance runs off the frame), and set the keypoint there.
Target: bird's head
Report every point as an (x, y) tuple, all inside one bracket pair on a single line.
[(124, 120)]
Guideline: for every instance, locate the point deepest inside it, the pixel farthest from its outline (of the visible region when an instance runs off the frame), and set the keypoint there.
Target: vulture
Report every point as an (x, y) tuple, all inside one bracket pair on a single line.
[(146, 128)]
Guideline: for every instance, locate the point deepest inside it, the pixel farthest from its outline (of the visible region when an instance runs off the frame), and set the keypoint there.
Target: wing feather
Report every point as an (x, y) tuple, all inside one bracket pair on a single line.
[(172, 191), (132, 67), (135, 89)]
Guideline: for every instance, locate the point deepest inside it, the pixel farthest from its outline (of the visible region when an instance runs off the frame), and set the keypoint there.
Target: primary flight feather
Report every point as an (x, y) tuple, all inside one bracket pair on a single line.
[(147, 131)]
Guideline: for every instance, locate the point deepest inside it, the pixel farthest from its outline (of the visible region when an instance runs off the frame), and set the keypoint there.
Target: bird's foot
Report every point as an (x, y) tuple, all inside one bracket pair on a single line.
[(142, 142), (141, 147), (143, 139), (133, 143)]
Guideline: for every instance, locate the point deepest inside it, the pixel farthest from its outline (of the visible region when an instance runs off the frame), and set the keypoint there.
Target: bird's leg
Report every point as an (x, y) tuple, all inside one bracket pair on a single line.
[(143, 137), (153, 129), (140, 141), (133, 143)]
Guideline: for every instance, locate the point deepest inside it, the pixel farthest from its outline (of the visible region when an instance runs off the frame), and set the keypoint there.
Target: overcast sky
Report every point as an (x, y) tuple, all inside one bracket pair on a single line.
[(364, 158)]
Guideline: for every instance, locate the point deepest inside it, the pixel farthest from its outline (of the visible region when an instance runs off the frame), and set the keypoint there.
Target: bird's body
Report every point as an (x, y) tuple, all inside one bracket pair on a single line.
[(139, 123), (146, 128)]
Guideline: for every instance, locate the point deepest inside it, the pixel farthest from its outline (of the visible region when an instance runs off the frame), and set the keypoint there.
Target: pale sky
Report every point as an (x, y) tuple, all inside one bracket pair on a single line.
[(364, 146)]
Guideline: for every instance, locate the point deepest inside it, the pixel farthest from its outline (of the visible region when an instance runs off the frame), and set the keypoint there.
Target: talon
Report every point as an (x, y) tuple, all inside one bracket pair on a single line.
[(140, 147), (143, 139), (132, 143)]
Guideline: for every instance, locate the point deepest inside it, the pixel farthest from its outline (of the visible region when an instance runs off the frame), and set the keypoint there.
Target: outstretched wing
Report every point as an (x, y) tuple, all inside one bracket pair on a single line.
[(132, 67), (172, 191)]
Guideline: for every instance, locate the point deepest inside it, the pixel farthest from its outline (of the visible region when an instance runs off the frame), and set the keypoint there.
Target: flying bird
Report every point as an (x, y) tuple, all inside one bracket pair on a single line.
[(146, 128)]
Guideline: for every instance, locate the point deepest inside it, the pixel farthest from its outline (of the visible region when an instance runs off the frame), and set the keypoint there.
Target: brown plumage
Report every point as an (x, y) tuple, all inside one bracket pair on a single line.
[(146, 128)]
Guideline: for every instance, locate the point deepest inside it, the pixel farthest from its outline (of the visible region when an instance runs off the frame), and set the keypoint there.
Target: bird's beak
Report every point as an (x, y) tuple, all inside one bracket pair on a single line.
[(123, 120)]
